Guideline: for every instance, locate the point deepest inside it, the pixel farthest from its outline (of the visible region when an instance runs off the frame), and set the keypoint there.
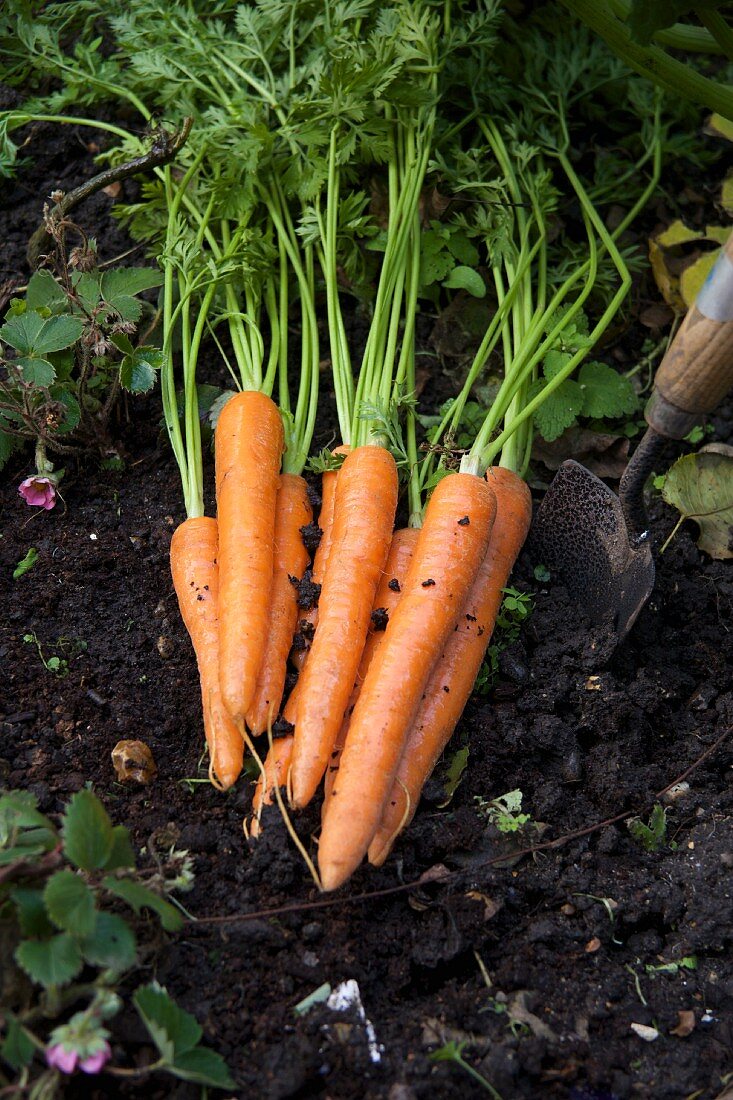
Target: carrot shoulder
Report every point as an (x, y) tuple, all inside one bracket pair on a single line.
[(193, 557), (450, 549), (386, 599), (290, 560), (455, 674), (248, 448), (364, 510)]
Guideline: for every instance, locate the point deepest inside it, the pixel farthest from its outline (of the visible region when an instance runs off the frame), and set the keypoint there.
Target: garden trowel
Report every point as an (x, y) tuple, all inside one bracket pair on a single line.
[(598, 544)]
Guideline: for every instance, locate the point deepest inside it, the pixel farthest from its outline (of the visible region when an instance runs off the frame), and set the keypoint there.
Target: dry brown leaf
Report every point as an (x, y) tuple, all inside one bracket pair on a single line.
[(604, 454), (133, 763), (685, 1025)]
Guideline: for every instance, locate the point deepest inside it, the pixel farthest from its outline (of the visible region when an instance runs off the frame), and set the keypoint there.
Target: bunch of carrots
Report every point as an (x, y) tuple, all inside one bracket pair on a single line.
[(387, 653)]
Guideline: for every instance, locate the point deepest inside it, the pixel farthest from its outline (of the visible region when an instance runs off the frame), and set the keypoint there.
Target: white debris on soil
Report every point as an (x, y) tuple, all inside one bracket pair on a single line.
[(648, 1034), (347, 996)]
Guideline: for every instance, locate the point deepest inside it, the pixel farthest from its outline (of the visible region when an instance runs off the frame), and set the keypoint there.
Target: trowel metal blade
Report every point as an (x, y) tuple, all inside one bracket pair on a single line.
[(580, 534)]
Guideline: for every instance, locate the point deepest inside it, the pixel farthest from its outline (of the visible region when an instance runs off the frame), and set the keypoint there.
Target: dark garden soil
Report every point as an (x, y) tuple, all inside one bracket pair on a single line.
[(542, 966)]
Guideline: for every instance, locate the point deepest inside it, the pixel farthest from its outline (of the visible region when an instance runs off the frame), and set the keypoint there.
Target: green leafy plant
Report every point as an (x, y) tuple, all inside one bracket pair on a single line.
[(70, 648), (652, 835), (60, 890), (504, 811), (25, 564), (453, 1052), (687, 962), (516, 608), (67, 351)]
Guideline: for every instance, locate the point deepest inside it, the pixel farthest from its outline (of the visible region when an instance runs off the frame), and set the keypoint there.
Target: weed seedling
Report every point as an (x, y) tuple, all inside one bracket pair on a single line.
[(504, 811), (453, 1052), (652, 835)]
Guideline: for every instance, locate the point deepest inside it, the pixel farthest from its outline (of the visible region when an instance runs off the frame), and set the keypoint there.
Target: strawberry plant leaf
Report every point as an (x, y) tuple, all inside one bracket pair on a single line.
[(21, 331), (51, 962), (111, 944), (44, 292), (70, 903), (138, 896), (31, 912), (137, 371), (174, 1031), (36, 370), (87, 832), (129, 281), (203, 1066), (58, 333), (17, 1049), (122, 854)]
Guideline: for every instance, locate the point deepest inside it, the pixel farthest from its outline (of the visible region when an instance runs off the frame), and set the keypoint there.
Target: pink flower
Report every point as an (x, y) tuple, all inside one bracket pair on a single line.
[(40, 492), (61, 1057), (94, 1062)]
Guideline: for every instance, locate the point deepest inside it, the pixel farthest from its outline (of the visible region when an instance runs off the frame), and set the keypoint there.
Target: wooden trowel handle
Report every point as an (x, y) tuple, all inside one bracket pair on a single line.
[(697, 371)]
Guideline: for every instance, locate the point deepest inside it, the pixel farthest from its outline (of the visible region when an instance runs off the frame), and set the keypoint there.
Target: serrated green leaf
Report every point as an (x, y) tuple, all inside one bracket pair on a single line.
[(129, 309), (51, 962), (465, 251), (17, 1048), (465, 278), (123, 343), (122, 854), (89, 289), (31, 911), (18, 811), (138, 896), (26, 563), (21, 331), (554, 362), (606, 393), (129, 281), (8, 444), (111, 944), (203, 1066), (73, 412), (174, 1031), (70, 903), (35, 370), (87, 832), (700, 487), (137, 372), (58, 333), (44, 290), (559, 410)]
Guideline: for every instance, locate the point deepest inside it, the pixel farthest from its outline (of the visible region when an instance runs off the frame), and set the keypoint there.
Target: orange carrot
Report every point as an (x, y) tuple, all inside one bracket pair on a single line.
[(193, 556), (320, 560), (249, 443), (277, 765), (449, 552), (290, 560), (455, 674), (364, 510), (385, 601)]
